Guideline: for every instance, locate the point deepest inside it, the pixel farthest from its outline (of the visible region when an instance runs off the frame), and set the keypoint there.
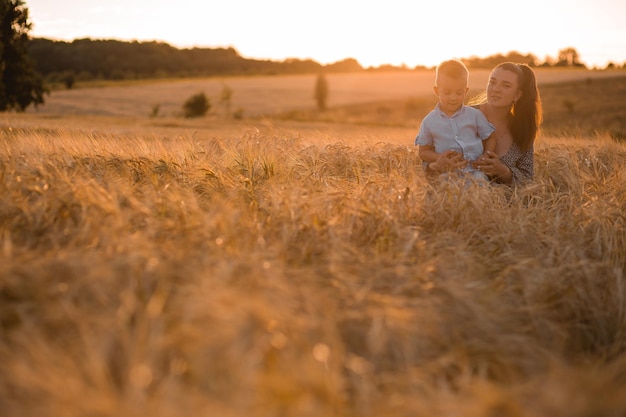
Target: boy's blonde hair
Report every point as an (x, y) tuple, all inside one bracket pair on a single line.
[(452, 68)]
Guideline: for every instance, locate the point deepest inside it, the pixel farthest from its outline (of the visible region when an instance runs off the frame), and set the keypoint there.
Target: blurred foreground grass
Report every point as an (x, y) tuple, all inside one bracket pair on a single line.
[(263, 276)]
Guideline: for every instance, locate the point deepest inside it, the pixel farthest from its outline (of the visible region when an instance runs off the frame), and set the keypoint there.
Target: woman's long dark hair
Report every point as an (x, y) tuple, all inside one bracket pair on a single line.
[(526, 111)]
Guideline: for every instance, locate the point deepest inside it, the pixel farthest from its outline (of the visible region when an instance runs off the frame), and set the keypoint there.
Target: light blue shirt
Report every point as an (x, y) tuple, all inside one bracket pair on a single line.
[(463, 132)]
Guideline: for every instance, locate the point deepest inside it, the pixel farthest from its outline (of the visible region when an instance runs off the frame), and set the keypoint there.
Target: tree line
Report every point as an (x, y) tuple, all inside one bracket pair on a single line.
[(94, 59), (88, 59)]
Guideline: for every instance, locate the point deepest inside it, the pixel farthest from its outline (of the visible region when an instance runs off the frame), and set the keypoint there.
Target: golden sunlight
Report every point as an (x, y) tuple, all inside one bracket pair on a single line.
[(393, 32)]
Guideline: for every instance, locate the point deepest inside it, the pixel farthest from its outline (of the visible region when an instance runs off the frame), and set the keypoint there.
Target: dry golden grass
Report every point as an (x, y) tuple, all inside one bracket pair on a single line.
[(283, 270)]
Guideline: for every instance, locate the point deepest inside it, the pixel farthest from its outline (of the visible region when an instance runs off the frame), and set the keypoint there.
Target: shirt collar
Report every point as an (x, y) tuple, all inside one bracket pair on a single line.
[(459, 111)]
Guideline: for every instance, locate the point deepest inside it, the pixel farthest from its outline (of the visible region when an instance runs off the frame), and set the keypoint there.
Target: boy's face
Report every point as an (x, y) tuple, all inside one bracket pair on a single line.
[(451, 92)]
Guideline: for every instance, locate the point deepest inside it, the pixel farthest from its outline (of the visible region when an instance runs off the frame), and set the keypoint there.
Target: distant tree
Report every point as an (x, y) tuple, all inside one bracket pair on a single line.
[(20, 85), (345, 65), (155, 110), (69, 79), (569, 105), (226, 97), (299, 66), (196, 106), (549, 61), (568, 57), (493, 60), (321, 92), (517, 57)]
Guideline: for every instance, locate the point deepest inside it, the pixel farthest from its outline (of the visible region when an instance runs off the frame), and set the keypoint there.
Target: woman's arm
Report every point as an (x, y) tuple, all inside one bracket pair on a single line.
[(491, 165), (523, 168), (514, 167), (489, 144)]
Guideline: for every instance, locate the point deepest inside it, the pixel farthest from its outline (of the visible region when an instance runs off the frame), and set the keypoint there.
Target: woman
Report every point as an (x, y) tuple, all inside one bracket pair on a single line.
[(513, 106)]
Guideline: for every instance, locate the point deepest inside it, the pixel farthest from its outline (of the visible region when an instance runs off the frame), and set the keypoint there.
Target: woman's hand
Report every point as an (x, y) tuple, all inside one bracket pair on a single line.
[(448, 161), (490, 164)]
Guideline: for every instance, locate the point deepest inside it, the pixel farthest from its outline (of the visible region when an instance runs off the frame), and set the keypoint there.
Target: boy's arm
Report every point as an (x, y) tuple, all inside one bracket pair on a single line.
[(427, 153), (489, 144)]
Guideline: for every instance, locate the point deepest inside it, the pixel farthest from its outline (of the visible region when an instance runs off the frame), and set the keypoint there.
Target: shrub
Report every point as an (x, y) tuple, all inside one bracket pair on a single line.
[(226, 97), (69, 79), (155, 110), (196, 105), (238, 114), (321, 92)]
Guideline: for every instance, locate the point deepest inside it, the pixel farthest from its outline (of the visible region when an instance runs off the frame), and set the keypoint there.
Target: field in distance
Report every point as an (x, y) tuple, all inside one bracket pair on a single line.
[(263, 95), (369, 107)]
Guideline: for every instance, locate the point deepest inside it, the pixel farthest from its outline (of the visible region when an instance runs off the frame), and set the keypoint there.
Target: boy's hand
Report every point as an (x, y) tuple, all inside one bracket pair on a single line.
[(448, 161)]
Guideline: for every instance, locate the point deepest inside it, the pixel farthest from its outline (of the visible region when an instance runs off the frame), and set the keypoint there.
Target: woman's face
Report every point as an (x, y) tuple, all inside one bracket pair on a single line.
[(503, 88)]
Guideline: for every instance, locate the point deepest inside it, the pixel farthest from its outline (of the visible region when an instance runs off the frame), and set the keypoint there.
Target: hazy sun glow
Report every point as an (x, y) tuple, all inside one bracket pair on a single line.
[(373, 32)]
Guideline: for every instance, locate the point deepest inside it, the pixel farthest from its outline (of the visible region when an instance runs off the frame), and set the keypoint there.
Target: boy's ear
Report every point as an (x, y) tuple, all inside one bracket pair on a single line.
[(436, 90)]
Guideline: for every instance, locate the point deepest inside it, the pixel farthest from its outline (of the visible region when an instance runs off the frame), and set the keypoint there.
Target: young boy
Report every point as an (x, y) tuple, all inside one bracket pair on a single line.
[(453, 125)]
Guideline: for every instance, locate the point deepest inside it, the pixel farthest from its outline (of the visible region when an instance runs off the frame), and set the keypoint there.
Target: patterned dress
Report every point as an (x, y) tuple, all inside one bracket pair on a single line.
[(520, 163)]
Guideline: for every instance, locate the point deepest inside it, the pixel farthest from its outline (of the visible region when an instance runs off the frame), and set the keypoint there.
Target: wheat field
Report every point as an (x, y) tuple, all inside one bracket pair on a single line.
[(275, 269)]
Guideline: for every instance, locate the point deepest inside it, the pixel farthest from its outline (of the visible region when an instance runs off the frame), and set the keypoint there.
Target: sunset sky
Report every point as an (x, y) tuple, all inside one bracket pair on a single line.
[(373, 32)]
